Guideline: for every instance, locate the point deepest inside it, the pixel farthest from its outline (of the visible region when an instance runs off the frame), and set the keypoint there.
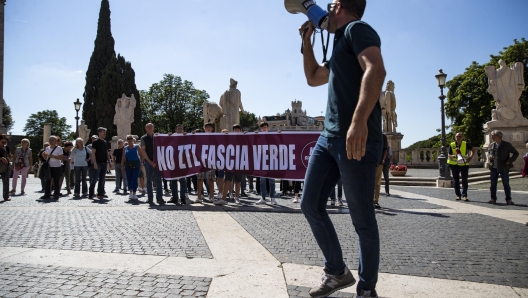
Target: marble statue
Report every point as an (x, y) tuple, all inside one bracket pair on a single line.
[(84, 131), (388, 108), (506, 85), (124, 115), (212, 112), (231, 102)]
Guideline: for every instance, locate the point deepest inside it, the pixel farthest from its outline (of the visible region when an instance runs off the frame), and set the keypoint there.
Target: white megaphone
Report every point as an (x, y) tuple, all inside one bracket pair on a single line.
[(308, 7), (460, 158)]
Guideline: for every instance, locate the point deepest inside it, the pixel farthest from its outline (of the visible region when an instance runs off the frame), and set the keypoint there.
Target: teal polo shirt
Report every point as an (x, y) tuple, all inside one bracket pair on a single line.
[(344, 81)]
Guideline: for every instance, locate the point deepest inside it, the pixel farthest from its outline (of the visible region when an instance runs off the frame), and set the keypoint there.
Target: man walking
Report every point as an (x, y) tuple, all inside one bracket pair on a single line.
[(100, 164), (460, 154), (147, 148), (350, 145), (501, 156)]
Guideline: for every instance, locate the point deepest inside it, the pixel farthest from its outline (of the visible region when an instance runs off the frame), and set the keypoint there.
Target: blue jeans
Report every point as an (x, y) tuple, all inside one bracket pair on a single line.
[(120, 177), (159, 186), (329, 163), (494, 177), (132, 176), (456, 171), (98, 175), (263, 187), (80, 177), (183, 188)]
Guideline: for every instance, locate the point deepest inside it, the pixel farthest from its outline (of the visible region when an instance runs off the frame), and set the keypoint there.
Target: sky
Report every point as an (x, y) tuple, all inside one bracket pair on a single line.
[(48, 45)]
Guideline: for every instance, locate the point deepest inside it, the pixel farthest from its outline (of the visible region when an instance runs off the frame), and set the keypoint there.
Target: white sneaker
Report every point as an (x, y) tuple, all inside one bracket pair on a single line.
[(219, 202), (261, 201), (135, 197), (339, 202), (197, 201), (296, 200), (273, 202), (237, 200), (130, 195)]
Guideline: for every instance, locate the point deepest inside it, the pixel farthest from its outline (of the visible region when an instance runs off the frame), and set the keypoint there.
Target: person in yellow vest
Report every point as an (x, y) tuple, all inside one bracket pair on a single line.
[(460, 154)]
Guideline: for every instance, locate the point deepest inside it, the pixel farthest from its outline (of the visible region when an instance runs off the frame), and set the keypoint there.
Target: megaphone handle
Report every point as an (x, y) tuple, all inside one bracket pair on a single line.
[(302, 40)]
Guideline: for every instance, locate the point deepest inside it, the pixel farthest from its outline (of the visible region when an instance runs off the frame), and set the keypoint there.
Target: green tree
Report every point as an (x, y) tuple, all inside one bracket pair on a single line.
[(34, 128), (249, 121), (103, 52), (7, 117), (173, 101), (469, 104), (117, 78)]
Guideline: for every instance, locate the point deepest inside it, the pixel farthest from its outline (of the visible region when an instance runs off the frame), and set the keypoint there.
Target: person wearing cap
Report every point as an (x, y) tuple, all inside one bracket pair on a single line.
[(101, 161), (147, 150)]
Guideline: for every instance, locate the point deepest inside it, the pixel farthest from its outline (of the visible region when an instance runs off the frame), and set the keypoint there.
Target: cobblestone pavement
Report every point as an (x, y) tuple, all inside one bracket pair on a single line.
[(468, 247), (144, 232), (301, 292), (20, 280), (452, 246), (475, 196)]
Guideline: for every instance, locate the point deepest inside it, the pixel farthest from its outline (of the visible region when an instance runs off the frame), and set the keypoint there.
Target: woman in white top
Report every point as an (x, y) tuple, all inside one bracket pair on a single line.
[(23, 160)]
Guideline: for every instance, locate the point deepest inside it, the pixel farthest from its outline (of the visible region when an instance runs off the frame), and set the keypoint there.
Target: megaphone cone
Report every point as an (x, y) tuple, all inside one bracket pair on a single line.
[(308, 7)]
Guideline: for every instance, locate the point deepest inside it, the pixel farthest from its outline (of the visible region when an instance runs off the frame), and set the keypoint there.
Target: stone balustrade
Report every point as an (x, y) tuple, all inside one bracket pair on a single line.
[(428, 157)]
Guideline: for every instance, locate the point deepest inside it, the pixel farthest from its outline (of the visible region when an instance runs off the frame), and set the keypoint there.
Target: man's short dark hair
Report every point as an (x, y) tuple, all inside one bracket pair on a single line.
[(237, 126), (263, 123), (354, 6)]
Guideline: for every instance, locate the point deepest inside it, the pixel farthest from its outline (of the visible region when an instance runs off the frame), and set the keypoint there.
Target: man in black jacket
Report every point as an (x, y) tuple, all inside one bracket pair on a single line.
[(500, 162)]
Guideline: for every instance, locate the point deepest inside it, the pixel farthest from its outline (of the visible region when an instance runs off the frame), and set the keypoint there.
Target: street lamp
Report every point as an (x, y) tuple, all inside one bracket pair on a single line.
[(77, 105), (442, 159)]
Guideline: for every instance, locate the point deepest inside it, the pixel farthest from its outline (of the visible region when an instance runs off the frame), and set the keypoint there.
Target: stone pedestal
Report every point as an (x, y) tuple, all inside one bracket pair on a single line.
[(444, 183), (47, 133), (517, 136), (394, 141)]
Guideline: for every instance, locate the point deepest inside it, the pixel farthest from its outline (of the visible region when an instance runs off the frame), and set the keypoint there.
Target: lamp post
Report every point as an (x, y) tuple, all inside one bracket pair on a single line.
[(444, 180), (77, 105)]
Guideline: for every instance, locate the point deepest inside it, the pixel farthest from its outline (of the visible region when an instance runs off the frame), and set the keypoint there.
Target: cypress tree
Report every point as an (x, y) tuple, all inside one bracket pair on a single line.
[(117, 78), (102, 54)]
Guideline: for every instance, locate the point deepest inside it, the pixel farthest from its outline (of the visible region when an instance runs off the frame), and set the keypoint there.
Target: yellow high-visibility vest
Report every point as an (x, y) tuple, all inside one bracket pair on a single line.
[(454, 161)]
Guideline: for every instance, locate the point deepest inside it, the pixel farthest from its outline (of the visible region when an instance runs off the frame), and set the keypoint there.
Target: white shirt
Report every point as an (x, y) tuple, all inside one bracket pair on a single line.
[(53, 162)]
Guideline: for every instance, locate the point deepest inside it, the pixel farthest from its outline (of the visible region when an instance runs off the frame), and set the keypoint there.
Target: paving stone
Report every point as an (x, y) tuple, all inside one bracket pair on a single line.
[(47, 288), (452, 246), (59, 229)]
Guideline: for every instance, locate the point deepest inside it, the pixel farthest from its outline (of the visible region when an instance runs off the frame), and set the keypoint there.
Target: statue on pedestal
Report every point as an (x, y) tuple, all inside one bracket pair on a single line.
[(388, 108), (506, 85), (124, 115), (231, 102), (84, 131)]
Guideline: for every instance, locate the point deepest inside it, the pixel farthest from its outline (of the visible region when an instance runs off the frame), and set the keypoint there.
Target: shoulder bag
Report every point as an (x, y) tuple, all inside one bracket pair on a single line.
[(45, 172)]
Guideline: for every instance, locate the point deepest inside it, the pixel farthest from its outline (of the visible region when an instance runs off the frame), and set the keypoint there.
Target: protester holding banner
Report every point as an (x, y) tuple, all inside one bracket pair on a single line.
[(230, 177), (131, 165), (207, 176), (350, 145), (182, 181), (147, 149), (264, 127)]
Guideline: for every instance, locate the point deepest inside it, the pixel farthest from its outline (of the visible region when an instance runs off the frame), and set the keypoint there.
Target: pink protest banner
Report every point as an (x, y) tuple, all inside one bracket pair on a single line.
[(282, 155)]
